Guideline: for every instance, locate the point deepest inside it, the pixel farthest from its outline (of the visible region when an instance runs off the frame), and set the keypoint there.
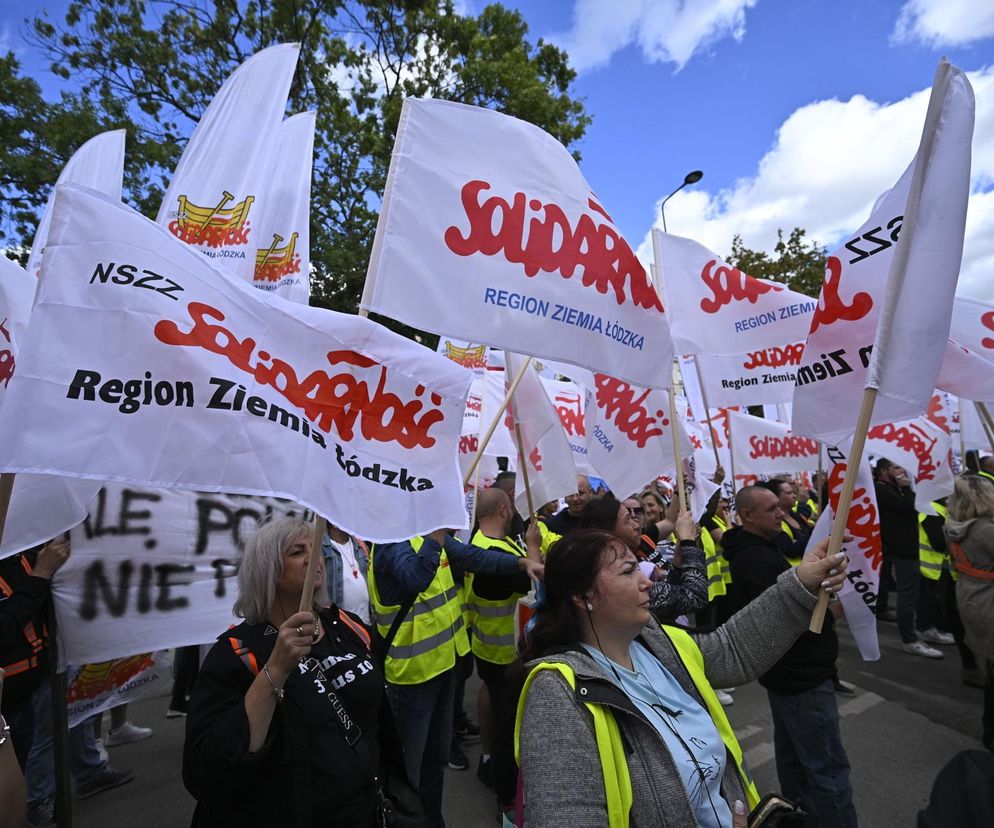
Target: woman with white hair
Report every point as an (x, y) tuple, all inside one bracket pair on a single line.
[(282, 722), (970, 532)]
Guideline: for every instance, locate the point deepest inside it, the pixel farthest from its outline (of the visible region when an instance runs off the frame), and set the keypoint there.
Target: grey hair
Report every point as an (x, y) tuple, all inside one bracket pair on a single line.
[(262, 565), (973, 497)]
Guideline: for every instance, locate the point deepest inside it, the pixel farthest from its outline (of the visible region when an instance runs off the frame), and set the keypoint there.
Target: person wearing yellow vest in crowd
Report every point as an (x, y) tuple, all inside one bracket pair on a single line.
[(794, 529), (987, 467), (811, 760), (413, 580), (618, 723), (937, 610), (493, 600)]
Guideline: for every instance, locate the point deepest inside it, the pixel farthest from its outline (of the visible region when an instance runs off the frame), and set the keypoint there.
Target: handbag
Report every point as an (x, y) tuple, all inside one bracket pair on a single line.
[(776, 811)]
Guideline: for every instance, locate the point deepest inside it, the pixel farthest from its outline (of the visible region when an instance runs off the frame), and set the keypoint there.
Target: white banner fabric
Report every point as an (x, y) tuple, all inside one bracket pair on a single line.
[(491, 216), (763, 377), (843, 351), (922, 448), (469, 355), (766, 447), (283, 242), (197, 381), (715, 308), (99, 165), (570, 401), (94, 688), (220, 183), (545, 449)]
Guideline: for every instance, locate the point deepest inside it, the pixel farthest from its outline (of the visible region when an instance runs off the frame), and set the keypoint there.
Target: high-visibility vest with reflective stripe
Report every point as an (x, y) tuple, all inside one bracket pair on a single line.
[(610, 745), (548, 537), (726, 570), (35, 641), (432, 635), (930, 562), (713, 560), (493, 621), (790, 534), (988, 475), (813, 506)]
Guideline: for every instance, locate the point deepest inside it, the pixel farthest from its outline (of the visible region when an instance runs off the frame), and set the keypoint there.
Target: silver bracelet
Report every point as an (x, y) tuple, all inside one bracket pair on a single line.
[(4, 731), (279, 692)]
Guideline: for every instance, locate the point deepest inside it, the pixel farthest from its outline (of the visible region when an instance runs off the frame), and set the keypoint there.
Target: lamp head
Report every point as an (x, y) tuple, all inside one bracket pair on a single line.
[(693, 177)]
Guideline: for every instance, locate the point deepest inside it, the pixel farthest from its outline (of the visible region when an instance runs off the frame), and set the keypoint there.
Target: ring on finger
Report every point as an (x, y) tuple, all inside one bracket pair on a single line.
[(300, 631)]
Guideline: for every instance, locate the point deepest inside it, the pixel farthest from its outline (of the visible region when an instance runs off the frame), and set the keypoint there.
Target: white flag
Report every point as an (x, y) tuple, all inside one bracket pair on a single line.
[(467, 354), (715, 308), (570, 402), (153, 368), (920, 447), (859, 590), (222, 178), (631, 438), (283, 243), (99, 165), (489, 230), (762, 446), (761, 377), (882, 326), (547, 453)]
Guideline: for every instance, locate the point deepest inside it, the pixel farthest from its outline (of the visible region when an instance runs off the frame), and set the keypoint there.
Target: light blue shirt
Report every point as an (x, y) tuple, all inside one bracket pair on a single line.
[(698, 752)]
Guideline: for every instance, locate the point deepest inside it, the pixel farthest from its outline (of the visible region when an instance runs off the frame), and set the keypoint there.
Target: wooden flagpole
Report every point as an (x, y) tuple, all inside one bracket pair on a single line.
[(496, 420), (707, 414), (985, 421), (523, 463)]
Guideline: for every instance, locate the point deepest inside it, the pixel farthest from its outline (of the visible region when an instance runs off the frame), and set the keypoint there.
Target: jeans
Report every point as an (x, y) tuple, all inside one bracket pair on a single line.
[(424, 723), (812, 764), (937, 608), (84, 758), (906, 577)]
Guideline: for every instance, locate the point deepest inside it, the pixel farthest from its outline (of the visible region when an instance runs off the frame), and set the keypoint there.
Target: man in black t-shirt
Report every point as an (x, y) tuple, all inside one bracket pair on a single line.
[(565, 521)]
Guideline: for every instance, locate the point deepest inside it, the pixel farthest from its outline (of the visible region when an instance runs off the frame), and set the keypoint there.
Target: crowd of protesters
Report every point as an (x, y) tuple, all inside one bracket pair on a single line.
[(608, 710)]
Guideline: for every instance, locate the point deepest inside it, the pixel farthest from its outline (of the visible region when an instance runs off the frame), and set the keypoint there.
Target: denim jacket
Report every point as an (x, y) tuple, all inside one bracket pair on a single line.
[(333, 566)]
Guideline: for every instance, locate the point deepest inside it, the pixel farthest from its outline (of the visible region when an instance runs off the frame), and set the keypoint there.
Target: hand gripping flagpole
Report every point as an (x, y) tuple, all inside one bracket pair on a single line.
[(895, 281)]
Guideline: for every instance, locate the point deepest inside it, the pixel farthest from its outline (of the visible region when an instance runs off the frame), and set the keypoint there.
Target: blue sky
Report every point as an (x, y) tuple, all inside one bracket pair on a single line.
[(799, 112)]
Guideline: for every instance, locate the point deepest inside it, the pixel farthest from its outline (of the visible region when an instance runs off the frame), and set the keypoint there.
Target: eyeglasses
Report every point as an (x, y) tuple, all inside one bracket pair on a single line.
[(636, 513)]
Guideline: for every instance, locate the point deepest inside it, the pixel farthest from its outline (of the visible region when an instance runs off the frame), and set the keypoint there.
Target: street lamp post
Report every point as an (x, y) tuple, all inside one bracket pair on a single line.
[(689, 178)]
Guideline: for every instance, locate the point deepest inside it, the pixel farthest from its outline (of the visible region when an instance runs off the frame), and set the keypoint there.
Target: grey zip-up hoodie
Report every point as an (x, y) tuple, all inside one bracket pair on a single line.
[(975, 596), (563, 781)]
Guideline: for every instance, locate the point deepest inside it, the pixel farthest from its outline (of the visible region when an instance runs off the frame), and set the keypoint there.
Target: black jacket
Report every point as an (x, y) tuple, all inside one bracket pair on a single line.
[(562, 522), (898, 520), (755, 564), (23, 635)]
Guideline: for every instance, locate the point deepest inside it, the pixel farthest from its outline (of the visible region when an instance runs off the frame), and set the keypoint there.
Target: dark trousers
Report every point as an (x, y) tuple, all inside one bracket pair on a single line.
[(937, 608), (811, 761), (502, 764), (988, 720), (186, 667), (906, 577), (423, 713)]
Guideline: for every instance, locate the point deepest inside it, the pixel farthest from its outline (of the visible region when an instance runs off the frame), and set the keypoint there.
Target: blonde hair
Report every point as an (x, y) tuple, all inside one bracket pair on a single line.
[(262, 565), (973, 497)]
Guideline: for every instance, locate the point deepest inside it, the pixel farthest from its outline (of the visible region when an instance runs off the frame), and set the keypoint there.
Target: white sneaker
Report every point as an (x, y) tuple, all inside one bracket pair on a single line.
[(725, 699), (920, 648), (102, 750), (126, 734), (934, 636)]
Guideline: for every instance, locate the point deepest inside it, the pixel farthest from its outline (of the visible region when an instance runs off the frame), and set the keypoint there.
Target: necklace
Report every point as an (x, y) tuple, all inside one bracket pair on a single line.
[(349, 557)]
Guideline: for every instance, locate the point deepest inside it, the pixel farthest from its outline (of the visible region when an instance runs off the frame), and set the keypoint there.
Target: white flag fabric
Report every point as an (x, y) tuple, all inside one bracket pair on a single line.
[(966, 373), (570, 401), (715, 308), (546, 451), (972, 326), (762, 377), (485, 397), (490, 217), (283, 241), (94, 688), (883, 329), (922, 448), (41, 506), (972, 427), (152, 368), (218, 188), (762, 446), (859, 589), (469, 355), (631, 441), (99, 165)]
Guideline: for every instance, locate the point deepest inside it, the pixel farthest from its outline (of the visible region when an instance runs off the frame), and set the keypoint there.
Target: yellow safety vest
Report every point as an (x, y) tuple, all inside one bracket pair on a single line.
[(715, 563), (493, 621), (548, 537), (813, 506), (726, 570), (930, 562), (610, 746), (988, 475), (790, 534), (432, 635)]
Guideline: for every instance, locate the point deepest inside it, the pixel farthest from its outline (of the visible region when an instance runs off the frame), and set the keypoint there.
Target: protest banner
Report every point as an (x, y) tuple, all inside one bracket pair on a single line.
[(914, 295), (761, 446), (631, 434), (469, 355), (490, 216), (859, 591), (922, 449), (94, 688), (201, 382), (715, 308), (569, 400), (220, 184), (762, 377), (283, 241), (892, 284), (545, 459), (154, 568), (97, 164)]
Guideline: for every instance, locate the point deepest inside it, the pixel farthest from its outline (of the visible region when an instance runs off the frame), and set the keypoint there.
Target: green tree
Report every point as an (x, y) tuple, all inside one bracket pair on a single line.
[(153, 66), (799, 262)]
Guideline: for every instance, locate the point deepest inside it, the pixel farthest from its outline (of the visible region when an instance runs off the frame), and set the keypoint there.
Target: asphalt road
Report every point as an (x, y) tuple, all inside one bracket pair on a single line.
[(909, 716)]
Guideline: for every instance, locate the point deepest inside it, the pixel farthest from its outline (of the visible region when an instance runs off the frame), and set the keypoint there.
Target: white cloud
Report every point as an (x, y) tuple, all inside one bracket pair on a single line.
[(944, 22), (830, 161), (667, 31)]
